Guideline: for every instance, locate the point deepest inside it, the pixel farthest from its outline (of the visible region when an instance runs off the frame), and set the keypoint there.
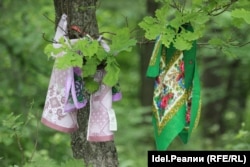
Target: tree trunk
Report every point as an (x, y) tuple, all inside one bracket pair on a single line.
[(81, 13)]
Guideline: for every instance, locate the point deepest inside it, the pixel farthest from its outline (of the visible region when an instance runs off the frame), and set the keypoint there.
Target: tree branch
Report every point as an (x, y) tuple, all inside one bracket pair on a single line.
[(223, 8)]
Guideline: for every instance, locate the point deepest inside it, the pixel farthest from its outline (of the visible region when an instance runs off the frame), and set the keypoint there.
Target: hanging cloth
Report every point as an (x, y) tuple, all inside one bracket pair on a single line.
[(65, 96), (102, 120), (65, 91), (176, 98)]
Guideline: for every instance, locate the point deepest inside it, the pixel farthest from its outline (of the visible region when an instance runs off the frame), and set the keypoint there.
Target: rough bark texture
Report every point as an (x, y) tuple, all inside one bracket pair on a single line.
[(80, 13), (103, 154)]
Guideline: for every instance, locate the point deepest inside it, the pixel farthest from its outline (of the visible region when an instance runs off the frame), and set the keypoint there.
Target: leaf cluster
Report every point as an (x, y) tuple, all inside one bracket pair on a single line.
[(169, 20), (88, 54), (171, 27), (39, 161)]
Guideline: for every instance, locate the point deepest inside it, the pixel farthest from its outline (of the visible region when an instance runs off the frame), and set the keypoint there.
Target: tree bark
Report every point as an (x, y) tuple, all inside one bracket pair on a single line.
[(82, 13)]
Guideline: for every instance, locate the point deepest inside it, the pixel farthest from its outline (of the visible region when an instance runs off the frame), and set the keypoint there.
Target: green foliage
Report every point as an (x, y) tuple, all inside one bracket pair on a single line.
[(171, 28), (122, 42), (112, 72), (90, 84), (26, 74), (241, 14), (71, 163), (169, 20), (41, 162), (88, 50), (47, 162), (10, 129), (25, 77), (11, 124)]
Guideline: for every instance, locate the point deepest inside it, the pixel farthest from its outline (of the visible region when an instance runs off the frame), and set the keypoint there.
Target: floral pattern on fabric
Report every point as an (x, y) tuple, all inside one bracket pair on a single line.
[(79, 89), (56, 102), (169, 92)]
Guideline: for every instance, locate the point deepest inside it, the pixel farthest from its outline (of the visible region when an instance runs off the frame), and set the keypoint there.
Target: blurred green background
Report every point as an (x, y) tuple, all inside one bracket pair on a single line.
[(25, 74)]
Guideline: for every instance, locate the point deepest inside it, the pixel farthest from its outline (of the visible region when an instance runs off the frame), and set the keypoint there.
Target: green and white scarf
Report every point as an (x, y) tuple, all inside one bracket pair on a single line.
[(176, 101)]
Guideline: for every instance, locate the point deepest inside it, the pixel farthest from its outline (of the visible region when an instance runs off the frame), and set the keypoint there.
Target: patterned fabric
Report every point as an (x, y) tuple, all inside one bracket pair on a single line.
[(58, 112), (66, 95), (176, 101), (100, 107)]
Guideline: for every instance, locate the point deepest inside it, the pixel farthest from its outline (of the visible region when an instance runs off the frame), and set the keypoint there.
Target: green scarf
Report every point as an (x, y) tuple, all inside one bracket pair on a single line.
[(176, 101)]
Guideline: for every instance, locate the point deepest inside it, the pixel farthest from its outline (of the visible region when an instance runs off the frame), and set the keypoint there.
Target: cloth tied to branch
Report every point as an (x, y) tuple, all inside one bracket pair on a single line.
[(102, 120), (176, 98), (66, 95)]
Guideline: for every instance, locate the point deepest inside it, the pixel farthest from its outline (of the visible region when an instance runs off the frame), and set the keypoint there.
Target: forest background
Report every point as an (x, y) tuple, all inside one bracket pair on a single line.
[(25, 74)]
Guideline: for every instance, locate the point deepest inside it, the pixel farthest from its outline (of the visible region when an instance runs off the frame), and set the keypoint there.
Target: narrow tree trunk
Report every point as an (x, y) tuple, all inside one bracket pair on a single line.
[(81, 13)]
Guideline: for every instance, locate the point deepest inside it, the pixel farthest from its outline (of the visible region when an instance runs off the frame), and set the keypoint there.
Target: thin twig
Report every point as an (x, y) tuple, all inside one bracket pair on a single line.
[(174, 5), (20, 147), (51, 41), (54, 23), (241, 45), (49, 19), (126, 20), (36, 141), (223, 8), (183, 6), (145, 41), (230, 43), (106, 32)]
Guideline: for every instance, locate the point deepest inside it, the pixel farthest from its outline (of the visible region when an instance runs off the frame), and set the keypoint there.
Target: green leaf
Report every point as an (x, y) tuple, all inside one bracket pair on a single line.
[(49, 50), (168, 36), (189, 36), (76, 60), (122, 42), (216, 42), (161, 14), (181, 44), (112, 73), (86, 46), (101, 54), (61, 40), (241, 14), (152, 27), (89, 68), (64, 61), (90, 85), (177, 21), (12, 121), (155, 26), (199, 18)]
